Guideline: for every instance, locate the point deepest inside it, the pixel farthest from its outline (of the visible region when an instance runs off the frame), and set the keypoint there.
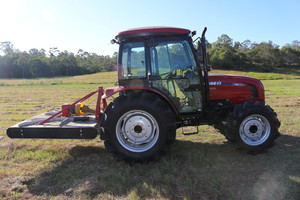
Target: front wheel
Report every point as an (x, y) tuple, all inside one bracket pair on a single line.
[(254, 125)]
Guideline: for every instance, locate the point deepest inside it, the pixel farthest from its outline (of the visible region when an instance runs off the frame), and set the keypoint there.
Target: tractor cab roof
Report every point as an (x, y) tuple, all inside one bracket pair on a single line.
[(150, 32)]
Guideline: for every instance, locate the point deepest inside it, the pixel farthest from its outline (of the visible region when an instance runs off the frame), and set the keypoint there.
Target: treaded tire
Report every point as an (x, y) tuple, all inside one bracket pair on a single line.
[(138, 127), (221, 128), (254, 125)]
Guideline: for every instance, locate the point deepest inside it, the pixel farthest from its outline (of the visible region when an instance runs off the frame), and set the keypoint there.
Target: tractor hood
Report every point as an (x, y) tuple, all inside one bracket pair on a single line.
[(236, 89)]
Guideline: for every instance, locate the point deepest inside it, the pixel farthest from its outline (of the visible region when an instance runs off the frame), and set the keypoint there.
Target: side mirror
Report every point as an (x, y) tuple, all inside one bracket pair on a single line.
[(194, 33), (113, 41)]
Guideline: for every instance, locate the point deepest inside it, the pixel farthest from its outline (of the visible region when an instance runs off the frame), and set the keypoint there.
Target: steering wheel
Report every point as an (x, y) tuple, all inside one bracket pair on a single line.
[(168, 74)]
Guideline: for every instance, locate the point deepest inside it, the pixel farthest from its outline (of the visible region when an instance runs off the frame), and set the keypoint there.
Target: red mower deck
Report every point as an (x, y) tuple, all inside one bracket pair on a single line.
[(75, 127)]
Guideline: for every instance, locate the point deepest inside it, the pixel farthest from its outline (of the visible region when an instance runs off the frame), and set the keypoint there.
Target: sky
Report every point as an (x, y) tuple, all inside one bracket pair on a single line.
[(91, 24)]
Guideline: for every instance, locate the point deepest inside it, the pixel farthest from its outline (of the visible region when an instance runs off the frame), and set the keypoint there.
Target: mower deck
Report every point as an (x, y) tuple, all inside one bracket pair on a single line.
[(74, 127)]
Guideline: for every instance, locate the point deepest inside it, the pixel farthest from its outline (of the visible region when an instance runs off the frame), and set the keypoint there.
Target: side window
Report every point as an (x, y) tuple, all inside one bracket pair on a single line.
[(160, 61), (171, 55), (133, 60)]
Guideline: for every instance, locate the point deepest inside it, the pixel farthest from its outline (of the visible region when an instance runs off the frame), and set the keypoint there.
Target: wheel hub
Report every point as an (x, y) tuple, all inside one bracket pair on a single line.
[(137, 129), (255, 129)]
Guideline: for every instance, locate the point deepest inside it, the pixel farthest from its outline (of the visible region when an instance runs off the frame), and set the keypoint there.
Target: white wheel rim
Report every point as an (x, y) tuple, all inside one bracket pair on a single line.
[(255, 130), (137, 131)]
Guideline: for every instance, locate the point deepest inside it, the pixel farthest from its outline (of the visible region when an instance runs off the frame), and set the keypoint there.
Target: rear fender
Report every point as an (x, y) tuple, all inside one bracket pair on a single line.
[(113, 90)]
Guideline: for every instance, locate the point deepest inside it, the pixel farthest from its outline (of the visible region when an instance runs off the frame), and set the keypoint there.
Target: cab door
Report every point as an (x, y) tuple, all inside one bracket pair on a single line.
[(174, 72)]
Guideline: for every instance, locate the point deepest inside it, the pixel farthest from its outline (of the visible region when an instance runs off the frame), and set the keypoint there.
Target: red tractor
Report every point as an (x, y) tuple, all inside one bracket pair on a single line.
[(163, 85)]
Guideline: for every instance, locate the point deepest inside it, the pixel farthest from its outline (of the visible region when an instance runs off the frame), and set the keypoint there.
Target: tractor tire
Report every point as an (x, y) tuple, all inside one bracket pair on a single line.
[(138, 127), (254, 125), (221, 128)]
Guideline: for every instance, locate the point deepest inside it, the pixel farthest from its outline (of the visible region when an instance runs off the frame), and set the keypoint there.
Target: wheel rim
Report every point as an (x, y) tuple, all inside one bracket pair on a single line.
[(137, 131), (255, 130)]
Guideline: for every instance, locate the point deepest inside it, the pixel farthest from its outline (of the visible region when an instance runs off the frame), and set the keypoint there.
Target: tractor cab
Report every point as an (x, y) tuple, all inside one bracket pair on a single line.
[(163, 59)]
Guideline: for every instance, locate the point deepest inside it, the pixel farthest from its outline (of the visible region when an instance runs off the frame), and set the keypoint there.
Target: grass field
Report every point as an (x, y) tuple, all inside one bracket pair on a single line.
[(202, 166)]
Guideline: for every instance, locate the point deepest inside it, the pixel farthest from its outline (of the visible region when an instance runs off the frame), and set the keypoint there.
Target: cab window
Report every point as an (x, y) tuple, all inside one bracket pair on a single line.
[(133, 61), (168, 56)]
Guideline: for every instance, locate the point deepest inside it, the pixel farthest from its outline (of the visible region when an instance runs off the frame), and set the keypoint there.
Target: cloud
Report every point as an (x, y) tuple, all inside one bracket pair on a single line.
[(48, 15)]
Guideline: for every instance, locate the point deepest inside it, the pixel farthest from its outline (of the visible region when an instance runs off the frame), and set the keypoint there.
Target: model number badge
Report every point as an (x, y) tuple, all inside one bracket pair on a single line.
[(215, 83)]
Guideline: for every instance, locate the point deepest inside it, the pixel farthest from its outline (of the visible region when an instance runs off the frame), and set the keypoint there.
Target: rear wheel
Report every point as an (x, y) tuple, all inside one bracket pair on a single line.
[(254, 125), (137, 131), (138, 126)]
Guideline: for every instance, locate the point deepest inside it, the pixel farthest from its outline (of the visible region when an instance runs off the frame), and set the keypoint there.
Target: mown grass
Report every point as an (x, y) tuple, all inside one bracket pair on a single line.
[(202, 166)]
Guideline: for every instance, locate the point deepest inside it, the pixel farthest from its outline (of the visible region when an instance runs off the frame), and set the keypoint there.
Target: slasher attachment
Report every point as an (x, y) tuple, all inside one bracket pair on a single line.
[(73, 121)]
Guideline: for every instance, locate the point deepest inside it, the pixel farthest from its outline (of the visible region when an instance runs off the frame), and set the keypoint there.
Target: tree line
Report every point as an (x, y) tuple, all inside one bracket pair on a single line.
[(252, 56), (40, 63), (223, 54)]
